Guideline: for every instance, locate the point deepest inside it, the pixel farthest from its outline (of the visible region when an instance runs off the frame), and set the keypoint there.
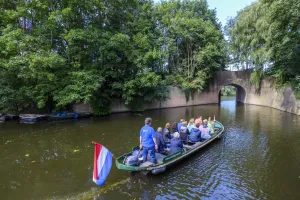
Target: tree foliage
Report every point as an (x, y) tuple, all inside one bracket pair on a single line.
[(57, 53), (228, 91), (266, 37)]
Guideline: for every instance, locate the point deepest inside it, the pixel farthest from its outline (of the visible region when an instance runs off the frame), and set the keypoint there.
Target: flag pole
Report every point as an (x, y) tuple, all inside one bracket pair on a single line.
[(93, 142)]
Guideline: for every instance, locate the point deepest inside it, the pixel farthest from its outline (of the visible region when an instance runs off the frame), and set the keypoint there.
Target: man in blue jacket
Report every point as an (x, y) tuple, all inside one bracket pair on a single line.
[(160, 141), (148, 141)]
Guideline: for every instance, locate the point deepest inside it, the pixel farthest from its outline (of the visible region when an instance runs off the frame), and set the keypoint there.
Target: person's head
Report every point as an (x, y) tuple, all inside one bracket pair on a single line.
[(176, 135), (205, 122), (184, 123), (148, 121), (209, 119), (198, 125), (168, 125), (192, 121), (200, 117), (182, 120), (159, 130)]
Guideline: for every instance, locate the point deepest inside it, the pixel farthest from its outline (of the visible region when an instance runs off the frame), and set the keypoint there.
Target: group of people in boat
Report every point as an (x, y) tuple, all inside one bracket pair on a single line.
[(172, 138)]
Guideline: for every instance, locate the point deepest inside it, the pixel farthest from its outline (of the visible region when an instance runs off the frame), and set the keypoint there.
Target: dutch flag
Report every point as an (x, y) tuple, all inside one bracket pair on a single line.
[(102, 164)]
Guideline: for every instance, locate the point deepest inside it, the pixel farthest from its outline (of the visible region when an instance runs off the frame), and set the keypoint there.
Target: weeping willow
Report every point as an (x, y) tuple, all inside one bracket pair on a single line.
[(256, 77)]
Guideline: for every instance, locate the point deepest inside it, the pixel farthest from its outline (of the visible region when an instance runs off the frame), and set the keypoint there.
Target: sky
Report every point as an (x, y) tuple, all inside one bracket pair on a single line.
[(228, 8)]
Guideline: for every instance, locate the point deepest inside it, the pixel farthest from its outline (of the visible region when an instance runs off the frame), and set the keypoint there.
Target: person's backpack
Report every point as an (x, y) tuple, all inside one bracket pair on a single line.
[(133, 160)]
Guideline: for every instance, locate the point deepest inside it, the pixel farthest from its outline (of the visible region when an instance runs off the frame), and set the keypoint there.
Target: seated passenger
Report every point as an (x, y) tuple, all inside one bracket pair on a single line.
[(211, 125), (191, 125), (199, 120), (176, 143), (161, 145), (174, 127), (179, 125), (167, 134), (205, 132), (184, 132), (195, 135)]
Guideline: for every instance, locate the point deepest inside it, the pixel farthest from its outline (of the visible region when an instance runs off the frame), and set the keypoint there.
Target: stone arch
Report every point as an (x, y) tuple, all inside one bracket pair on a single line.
[(240, 92)]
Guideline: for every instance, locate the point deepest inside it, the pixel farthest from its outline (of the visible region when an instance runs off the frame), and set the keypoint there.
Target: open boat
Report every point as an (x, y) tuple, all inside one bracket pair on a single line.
[(5, 117), (66, 116), (164, 161), (32, 118)]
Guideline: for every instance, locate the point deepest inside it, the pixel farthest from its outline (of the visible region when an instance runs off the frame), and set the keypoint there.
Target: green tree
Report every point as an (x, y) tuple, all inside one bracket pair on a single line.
[(266, 36), (57, 53)]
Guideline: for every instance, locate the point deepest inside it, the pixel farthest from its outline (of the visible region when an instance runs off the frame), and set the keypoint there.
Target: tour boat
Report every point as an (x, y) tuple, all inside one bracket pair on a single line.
[(164, 161)]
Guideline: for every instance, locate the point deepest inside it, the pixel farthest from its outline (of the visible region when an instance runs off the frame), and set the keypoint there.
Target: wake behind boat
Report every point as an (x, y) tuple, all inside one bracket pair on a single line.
[(164, 161)]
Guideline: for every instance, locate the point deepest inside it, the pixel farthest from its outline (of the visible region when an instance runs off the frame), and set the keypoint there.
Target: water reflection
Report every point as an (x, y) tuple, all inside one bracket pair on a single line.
[(257, 158)]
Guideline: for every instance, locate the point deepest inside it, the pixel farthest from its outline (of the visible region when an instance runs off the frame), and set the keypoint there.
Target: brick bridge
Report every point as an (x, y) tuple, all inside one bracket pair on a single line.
[(267, 95), (240, 80)]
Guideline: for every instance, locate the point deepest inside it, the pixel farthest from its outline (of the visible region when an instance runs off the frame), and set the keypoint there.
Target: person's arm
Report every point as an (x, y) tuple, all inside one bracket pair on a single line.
[(141, 146), (163, 142), (154, 138)]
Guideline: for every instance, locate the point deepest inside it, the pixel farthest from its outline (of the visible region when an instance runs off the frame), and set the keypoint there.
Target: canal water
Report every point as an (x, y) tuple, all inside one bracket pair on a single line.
[(258, 157)]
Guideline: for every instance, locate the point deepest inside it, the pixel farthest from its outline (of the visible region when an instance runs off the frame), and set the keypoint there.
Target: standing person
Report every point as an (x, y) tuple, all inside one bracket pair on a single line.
[(176, 143), (148, 141), (199, 120), (161, 145), (180, 125), (191, 124), (205, 132), (184, 132), (174, 127), (167, 133)]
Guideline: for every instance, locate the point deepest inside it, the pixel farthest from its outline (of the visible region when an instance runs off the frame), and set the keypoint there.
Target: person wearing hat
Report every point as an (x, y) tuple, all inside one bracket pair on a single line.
[(148, 141)]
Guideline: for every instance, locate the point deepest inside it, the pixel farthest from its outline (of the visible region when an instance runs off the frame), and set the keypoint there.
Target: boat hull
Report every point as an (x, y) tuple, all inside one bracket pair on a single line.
[(69, 116), (170, 159), (32, 119)]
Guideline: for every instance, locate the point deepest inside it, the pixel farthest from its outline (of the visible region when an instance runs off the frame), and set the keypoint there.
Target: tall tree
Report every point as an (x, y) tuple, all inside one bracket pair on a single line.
[(266, 35)]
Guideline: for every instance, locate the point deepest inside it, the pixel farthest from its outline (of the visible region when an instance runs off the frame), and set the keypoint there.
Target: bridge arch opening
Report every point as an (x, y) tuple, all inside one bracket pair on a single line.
[(240, 92)]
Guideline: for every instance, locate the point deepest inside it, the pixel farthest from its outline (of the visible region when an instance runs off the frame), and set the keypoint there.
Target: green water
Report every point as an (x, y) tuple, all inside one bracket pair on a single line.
[(258, 157)]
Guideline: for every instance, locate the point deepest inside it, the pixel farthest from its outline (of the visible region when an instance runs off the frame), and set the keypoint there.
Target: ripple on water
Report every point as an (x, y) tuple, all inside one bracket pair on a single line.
[(258, 157)]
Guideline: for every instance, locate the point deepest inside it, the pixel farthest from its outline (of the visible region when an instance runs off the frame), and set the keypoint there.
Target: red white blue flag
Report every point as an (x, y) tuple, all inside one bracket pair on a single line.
[(102, 164)]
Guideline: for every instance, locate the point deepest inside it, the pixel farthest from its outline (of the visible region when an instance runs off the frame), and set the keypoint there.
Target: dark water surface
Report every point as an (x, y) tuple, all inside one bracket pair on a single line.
[(258, 157)]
